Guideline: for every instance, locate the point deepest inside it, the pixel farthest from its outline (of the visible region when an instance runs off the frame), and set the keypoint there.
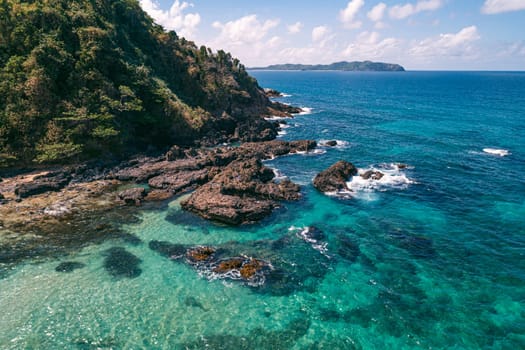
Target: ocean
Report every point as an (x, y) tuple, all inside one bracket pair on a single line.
[(429, 256)]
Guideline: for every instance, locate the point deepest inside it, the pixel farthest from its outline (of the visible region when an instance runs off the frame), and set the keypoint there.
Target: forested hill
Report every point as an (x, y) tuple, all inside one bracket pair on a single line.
[(364, 66), (88, 78)]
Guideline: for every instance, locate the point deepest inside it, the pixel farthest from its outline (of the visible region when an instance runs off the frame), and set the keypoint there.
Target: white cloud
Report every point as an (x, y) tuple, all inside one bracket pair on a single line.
[(174, 18), (377, 12), (318, 33), (408, 9), (448, 45), (348, 14), (245, 30), (370, 46), (295, 28), (497, 6)]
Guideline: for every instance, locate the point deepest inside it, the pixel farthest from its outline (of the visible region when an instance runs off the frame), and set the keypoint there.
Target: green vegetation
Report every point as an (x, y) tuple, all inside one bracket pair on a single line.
[(93, 78), (365, 66)]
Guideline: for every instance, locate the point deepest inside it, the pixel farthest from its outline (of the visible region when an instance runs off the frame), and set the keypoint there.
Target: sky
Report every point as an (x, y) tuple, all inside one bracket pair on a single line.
[(418, 34)]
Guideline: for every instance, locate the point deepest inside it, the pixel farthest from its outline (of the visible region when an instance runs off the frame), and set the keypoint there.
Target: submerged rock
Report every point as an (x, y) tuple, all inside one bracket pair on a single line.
[(335, 177), (120, 263), (170, 250), (132, 196), (69, 266), (331, 143), (347, 249)]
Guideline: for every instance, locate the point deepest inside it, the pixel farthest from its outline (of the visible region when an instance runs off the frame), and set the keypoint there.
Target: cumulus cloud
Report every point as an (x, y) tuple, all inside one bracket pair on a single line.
[(408, 9), (458, 44), (319, 33), (174, 18), (295, 28), (370, 46), (245, 30), (348, 14), (377, 12), (491, 7)]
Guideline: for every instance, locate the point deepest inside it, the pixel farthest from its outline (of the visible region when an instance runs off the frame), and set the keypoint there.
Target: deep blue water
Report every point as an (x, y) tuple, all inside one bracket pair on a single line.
[(432, 256)]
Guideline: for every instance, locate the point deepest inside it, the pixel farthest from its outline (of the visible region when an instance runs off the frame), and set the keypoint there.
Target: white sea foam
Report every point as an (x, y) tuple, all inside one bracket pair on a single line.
[(285, 95), (340, 143), (393, 178), (274, 118), (305, 111), (497, 151), (303, 233), (281, 133)]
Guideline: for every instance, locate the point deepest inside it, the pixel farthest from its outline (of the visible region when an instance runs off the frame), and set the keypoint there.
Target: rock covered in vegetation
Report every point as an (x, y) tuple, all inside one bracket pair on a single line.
[(84, 79), (335, 177)]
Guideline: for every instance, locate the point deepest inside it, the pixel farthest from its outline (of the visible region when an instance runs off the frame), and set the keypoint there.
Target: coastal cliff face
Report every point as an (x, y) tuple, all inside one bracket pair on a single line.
[(86, 79)]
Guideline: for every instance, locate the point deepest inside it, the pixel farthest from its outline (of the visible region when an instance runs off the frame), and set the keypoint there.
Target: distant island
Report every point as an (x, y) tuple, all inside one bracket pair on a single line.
[(365, 66)]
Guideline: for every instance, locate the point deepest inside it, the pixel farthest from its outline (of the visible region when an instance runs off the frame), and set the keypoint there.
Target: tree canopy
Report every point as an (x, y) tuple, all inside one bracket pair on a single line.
[(87, 78)]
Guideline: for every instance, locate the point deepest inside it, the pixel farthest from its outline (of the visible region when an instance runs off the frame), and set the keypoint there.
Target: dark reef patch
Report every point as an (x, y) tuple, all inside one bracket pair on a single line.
[(259, 338), (120, 263), (69, 266)]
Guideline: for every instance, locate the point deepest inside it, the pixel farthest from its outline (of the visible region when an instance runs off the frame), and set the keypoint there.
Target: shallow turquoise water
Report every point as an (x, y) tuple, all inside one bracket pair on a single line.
[(432, 257)]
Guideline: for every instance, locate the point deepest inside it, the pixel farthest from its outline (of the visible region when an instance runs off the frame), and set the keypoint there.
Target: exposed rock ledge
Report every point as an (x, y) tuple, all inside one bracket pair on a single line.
[(234, 186), (335, 177)]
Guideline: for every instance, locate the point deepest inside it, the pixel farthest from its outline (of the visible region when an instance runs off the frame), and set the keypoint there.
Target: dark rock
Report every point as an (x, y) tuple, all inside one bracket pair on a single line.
[(272, 93), (372, 174), (158, 195), (252, 267), (401, 166), (175, 153), (242, 193), (170, 250), (200, 254), (132, 196), (179, 181), (42, 185), (120, 263), (347, 249), (334, 178), (69, 266), (228, 265), (331, 143)]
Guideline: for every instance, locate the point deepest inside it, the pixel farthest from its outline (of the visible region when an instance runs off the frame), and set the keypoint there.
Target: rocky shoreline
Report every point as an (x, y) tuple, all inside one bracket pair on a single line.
[(41, 209)]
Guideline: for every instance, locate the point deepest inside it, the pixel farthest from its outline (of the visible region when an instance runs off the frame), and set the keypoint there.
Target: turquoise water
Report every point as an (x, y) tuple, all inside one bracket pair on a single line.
[(429, 257)]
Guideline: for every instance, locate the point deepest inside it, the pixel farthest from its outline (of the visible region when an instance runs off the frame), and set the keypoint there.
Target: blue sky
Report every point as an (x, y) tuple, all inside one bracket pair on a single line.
[(418, 34)]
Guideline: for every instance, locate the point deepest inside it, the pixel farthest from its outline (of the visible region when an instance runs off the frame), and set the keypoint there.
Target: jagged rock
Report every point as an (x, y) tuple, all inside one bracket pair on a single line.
[(228, 265), (43, 184), (200, 254), (251, 268), (272, 93), (331, 143), (132, 196), (175, 153), (178, 181), (158, 195), (372, 174), (243, 192), (335, 178)]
